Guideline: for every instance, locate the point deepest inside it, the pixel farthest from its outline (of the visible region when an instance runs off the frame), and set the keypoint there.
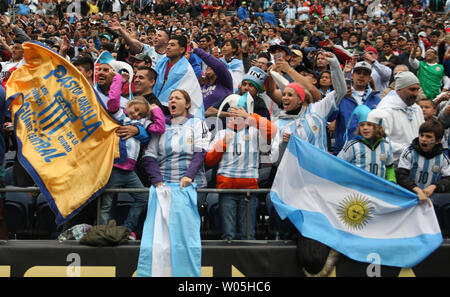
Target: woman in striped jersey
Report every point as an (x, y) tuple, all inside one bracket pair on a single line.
[(370, 151), (423, 166), (177, 156), (306, 119)]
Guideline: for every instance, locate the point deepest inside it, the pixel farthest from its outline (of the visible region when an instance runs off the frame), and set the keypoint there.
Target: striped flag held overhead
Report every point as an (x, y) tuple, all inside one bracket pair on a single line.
[(181, 76), (351, 210)]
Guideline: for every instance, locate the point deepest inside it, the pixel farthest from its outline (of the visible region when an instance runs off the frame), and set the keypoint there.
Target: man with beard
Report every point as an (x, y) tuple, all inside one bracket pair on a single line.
[(402, 126), (104, 81)]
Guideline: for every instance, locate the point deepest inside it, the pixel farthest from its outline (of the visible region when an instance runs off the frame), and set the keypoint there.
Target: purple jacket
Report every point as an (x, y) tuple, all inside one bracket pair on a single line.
[(223, 85)]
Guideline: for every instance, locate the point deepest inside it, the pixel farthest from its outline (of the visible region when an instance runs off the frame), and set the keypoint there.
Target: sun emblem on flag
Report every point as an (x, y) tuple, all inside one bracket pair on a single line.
[(355, 211)]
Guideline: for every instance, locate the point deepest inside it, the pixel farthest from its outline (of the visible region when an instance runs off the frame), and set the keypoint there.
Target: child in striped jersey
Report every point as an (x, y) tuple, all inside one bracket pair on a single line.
[(138, 112), (236, 150), (423, 167), (370, 151)]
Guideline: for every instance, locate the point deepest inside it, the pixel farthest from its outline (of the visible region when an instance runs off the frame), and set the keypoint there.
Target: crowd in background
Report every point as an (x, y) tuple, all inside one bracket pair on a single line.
[(334, 55)]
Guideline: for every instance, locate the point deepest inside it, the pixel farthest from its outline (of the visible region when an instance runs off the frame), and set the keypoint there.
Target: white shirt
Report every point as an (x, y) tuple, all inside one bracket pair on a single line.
[(303, 13), (116, 6), (7, 66)]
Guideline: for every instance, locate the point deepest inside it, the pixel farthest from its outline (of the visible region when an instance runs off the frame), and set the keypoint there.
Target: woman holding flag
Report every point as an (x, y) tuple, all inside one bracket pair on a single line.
[(302, 117), (308, 121), (171, 244)]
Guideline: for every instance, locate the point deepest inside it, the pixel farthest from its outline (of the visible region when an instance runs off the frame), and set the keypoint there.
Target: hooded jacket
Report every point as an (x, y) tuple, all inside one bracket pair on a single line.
[(399, 127), (342, 117)]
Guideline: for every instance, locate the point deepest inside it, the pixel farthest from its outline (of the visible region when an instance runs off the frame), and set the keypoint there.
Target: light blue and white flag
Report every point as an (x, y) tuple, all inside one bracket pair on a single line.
[(351, 210), (236, 68), (171, 243), (180, 76)]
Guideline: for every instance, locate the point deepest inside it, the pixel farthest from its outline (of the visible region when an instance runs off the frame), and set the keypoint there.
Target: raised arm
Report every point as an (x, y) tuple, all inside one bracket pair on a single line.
[(412, 58), (115, 90), (219, 68), (284, 67), (135, 45), (337, 77)]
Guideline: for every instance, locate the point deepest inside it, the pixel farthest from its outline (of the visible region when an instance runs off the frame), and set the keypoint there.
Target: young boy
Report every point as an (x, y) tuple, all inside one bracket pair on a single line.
[(236, 151), (370, 151), (428, 108), (423, 167)]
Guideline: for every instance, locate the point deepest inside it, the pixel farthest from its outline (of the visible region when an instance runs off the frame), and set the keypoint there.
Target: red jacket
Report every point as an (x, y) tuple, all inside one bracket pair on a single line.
[(316, 9)]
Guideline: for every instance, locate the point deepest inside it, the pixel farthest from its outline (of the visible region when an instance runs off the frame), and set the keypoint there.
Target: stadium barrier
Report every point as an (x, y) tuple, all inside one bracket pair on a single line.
[(248, 193)]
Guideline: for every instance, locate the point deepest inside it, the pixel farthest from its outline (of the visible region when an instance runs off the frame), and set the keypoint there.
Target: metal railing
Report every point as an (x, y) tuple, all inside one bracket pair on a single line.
[(247, 192)]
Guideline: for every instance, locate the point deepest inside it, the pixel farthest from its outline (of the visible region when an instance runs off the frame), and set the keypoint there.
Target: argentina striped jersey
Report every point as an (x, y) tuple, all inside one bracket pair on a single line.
[(310, 125), (241, 158), (133, 145), (424, 171), (361, 155), (175, 149)]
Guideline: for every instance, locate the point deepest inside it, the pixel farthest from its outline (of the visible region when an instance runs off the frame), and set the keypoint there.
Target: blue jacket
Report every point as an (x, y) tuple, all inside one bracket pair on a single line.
[(242, 13), (196, 64), (342, 117), (267, 17)]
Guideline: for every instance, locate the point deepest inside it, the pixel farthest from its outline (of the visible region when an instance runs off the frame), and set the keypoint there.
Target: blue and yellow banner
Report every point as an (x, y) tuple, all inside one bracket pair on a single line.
[(66, 139)]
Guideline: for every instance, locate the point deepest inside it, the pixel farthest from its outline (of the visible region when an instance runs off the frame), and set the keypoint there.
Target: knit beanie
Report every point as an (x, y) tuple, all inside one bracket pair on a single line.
[(405, 79), (257, 77)]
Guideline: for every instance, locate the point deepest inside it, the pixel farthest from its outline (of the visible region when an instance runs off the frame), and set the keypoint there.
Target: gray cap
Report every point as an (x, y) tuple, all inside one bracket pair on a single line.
[(404, 79)]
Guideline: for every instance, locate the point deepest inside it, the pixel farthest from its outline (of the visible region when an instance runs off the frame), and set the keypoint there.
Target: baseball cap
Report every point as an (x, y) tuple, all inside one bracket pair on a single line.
[(371, 49), (297, 53), (363, 65), (105, 36), (141, 57), (285, 48)]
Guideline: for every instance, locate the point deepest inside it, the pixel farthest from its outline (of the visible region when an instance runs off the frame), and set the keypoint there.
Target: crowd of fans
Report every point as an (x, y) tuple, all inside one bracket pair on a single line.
[(330, 56)]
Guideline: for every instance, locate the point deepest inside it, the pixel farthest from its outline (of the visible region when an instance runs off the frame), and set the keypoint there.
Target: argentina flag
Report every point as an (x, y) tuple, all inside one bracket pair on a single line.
[(236, 68), (171, 243), (351, 210), (181, 76)]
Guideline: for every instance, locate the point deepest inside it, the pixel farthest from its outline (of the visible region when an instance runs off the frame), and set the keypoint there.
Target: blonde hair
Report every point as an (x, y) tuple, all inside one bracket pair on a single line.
[(378, 131), (140, 100)]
